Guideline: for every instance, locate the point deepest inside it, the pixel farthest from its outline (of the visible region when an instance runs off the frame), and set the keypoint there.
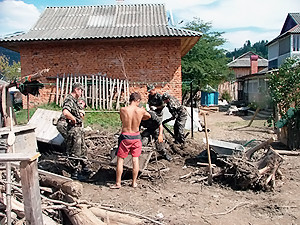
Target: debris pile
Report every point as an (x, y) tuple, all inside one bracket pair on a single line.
[(255, 169)]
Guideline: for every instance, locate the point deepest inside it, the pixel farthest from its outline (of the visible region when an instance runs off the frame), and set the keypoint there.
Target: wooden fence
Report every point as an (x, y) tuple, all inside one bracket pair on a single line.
[(100, 92)]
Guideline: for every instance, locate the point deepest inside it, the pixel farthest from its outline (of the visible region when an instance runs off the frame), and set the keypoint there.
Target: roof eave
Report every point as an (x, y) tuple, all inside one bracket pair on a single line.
[(187, 43)]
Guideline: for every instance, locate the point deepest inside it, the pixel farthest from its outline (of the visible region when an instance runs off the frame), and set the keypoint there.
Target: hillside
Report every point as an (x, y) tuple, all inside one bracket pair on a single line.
[(11, 55)]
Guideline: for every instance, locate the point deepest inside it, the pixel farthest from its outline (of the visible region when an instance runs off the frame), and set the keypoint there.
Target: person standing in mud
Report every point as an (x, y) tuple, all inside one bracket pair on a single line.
[(70, 126), (179, 113), (154, 129), (130, 138)]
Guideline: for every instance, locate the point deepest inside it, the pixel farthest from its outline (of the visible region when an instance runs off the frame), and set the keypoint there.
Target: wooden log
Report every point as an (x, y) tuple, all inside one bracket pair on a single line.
[(48, 221), (82, 216), (205, 164), (250, 151), (255, 114), (73, 188), (109, 216), (288, 153)]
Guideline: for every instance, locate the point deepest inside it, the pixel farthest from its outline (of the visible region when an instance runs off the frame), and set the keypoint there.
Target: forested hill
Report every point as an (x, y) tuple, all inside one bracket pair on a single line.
[(258, 48), (11, 55)]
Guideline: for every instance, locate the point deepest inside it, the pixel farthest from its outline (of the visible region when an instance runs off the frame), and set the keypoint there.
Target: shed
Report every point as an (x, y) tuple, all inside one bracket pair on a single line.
[(209, 96), (121, 41)]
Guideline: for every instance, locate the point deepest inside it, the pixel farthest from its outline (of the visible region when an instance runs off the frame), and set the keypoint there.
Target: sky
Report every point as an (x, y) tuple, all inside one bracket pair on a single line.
[(240, 20)]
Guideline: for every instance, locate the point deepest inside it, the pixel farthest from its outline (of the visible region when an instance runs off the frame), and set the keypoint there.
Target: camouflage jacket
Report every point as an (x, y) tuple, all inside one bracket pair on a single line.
[(155, 100), (71, 104), (175, 108), (153, 123)]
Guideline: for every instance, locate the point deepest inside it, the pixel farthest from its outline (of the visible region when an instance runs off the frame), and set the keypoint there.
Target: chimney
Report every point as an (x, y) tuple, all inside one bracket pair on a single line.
[(254, 64)]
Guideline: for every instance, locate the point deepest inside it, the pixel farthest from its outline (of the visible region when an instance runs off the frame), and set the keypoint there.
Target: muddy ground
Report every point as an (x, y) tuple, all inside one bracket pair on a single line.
[(165, 197)]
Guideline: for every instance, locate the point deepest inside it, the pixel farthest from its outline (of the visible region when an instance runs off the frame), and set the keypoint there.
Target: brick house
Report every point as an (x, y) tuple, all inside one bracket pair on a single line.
[(244, 66), (92, 39)]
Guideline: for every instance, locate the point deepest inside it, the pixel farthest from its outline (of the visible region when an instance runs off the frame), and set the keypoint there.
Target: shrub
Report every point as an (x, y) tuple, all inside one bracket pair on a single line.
[(226, 96)]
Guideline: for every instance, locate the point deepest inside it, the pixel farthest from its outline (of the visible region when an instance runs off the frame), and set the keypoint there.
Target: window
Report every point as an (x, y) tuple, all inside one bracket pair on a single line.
[(296, 42)]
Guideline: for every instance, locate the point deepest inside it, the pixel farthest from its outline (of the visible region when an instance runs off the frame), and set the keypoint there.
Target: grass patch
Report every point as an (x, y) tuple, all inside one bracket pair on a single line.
[(105, 120), (96, 120)]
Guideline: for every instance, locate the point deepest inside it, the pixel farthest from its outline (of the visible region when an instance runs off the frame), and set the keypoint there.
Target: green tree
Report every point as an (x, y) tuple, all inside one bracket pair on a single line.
[(284, 85), (206, 62), (258, 48), (10, 72)]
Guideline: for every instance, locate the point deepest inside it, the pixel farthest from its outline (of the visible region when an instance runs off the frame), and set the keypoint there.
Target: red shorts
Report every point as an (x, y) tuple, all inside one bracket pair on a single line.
[(130, 142)]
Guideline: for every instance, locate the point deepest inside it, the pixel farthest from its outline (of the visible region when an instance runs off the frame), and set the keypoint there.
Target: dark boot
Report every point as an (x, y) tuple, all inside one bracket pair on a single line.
[(74, 175)]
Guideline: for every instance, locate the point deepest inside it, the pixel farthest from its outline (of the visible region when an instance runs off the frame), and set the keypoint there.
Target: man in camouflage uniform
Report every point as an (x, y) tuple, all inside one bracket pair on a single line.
[(70, 126), (179, 113), (154, 129), (155, 101)]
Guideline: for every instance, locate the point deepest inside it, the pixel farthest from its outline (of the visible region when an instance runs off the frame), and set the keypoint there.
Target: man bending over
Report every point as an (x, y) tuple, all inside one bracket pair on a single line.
[(130, 138)]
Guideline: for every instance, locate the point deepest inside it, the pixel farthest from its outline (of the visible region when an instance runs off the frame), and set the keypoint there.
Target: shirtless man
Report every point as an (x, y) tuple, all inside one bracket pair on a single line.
[(130, 138)]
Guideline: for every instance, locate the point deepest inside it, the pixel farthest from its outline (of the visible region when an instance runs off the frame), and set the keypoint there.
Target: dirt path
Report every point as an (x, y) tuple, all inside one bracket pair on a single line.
[(179, 201)]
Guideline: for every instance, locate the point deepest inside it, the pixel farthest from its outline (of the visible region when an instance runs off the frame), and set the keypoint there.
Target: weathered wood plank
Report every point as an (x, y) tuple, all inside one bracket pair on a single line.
[(31, 192), (12, 157)]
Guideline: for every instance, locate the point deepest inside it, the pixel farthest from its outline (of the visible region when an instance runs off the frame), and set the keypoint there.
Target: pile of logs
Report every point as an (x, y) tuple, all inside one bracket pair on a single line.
[(61, 204)]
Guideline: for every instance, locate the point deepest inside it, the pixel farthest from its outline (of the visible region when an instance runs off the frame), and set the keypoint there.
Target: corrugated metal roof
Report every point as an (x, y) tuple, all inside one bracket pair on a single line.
[(100, 22), (293, 30), (296, 17), (244, 61)]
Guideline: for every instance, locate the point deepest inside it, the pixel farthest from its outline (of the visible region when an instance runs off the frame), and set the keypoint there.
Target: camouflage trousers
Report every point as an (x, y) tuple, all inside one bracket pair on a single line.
[(146, 138), (179, 128), (74, 138)]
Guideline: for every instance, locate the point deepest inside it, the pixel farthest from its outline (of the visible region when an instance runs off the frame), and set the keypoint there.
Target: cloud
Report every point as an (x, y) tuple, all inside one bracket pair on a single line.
[(241, 20), (16, 16)]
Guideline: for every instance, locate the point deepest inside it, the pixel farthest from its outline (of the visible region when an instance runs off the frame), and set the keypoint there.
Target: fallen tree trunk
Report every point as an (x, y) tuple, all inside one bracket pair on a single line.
[(82, 216), (67, 185)]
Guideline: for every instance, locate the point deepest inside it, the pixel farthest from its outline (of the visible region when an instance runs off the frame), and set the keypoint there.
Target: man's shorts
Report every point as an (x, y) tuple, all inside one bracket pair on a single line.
[(130, 142)]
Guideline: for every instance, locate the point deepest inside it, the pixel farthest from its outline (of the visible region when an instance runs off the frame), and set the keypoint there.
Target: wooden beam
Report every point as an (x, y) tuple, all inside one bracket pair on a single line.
[(31, 192), (12, 157)]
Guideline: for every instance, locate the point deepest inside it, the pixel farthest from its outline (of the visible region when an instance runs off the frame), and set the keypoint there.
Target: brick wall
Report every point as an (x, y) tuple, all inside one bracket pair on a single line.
[(146, 61), (243, 71)]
